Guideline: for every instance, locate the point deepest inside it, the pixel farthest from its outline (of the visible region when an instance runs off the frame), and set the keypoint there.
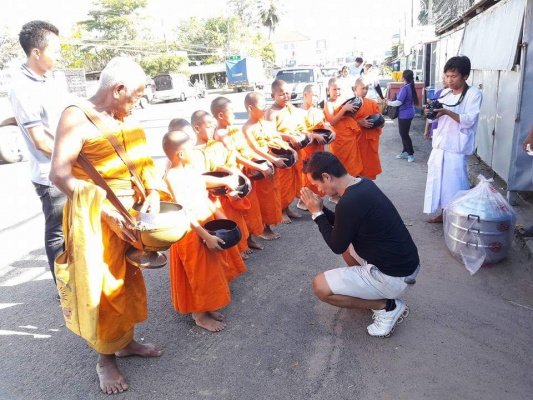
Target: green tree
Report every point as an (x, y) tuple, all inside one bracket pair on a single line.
[(156, 65), (270, 13), (115, 19), (9, 48), (246, 10)]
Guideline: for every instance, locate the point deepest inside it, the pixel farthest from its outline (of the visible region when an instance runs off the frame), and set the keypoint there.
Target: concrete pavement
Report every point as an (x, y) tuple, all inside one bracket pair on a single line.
[(467, 337)]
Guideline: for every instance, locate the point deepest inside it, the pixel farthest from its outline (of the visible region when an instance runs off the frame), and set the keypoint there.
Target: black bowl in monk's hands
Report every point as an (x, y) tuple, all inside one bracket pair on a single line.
[(243, 188), (217, 190), (225, 229), (254, 174), (354, 101), (376, 120), (324, 132), (302, 143), (285, 155)]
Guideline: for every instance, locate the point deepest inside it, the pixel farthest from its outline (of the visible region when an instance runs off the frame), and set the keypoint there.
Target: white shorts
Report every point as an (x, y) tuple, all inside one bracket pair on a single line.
[(364, 281)]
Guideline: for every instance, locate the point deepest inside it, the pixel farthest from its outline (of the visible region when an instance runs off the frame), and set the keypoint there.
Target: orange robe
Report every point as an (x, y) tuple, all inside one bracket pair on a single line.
[(289, 120), (123, 298), (345, 145), (215, 156), (209, 158), (267, 189), (198, 281), (368, 141), (314, 119)]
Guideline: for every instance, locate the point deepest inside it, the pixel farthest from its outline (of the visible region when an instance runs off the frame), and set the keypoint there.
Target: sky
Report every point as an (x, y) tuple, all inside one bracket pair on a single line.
[(361, 24)]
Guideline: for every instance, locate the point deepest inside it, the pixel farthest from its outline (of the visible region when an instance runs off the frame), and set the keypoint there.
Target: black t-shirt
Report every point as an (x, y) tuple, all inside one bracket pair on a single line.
[(366, 218)]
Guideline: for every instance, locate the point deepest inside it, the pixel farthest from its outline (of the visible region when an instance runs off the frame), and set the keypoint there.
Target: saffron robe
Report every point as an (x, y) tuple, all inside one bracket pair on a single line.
[(368, 140), (314, 118)]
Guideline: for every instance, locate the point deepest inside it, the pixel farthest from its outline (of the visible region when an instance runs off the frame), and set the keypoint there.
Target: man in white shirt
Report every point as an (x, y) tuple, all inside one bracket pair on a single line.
[(453, 139), (37, 100)]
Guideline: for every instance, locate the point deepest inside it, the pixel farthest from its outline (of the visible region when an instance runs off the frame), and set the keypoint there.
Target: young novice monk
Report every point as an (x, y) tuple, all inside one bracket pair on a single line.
[(260, 134), (314, 118), (345, 146), (368, 140), (245, 157), (210, 155), (289, 123), (198, 283)]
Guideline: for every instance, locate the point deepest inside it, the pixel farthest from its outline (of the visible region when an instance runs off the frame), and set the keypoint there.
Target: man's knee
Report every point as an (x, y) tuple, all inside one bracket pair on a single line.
[(321, 287)]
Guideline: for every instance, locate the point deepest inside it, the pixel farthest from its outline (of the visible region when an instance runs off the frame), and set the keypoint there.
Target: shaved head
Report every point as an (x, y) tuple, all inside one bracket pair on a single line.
[(309, 88), (332, 81), (252, 98), (361, 82), (173, 141), (219, 105), (278, 83), (198, 116), (178, 124)]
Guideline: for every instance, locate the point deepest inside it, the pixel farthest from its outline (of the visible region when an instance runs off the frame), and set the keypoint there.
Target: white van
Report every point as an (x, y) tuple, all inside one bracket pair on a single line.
[(173, 87)]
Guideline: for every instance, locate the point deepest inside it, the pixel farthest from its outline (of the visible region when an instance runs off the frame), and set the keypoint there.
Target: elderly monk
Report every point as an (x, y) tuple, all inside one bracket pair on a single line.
[(314, 118), (345, 146), (121, 298), (289, 123), (260, 135), (198, 281), (368, 140)]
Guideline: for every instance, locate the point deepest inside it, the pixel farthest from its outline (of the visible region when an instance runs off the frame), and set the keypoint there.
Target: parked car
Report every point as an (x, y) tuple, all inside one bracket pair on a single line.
[(149, 91), (297, 79), (330, 72), (12, 147), (173, 87)]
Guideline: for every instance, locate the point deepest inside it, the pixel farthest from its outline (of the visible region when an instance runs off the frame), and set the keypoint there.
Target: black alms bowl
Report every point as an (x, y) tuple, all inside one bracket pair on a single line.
[(377, 120), (285, 155), (225, 229), (324, 132), (217, 190)]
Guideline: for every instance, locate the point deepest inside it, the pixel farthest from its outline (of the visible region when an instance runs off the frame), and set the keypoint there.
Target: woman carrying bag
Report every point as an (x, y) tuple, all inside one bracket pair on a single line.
[(406, 101)]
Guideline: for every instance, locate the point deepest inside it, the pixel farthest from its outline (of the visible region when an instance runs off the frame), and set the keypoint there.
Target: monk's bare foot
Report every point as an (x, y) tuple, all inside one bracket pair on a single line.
[(254, 244), (206, 321), (439, 219), (111, 380), (269, 234), (244, 255), (285, 218), (216, 315), (142, 350), (293, 214)]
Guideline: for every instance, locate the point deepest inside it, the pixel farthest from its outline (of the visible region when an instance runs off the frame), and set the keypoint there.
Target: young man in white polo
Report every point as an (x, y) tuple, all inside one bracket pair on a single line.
[(370, 234)]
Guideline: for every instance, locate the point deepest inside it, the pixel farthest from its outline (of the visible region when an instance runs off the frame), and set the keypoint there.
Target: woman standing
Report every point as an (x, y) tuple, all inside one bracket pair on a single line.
[(406, 101)]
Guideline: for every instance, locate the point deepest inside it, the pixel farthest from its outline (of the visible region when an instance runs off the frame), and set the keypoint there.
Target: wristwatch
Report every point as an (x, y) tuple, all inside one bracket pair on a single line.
[(317, 214)]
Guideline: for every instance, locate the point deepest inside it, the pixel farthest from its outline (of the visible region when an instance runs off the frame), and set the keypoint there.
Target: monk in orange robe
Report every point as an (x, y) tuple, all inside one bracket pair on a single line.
[(314, 118), (345, 145), (210, 155), (260, 135), (198, 281), (244, 157), (368, 140), (289, 123), (122, 302)]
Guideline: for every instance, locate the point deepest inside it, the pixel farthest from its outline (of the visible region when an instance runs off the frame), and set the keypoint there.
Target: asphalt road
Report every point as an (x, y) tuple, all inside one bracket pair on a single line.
[(467, 337)]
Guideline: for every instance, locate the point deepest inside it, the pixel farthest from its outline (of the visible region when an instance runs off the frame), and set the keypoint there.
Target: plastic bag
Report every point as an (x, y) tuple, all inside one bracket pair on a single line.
[(479, 226)]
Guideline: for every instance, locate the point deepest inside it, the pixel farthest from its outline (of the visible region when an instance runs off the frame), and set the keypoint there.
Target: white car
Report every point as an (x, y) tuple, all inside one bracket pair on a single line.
[(297, 79)]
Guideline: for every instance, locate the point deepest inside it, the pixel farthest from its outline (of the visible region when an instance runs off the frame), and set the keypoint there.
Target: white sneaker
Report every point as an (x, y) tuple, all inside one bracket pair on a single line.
[(301, 205), (385, 322), (411, 158), (402, 155)]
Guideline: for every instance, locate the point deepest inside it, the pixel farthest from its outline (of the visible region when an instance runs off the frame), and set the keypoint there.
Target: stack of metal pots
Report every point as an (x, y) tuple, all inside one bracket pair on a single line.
[(479, 226)]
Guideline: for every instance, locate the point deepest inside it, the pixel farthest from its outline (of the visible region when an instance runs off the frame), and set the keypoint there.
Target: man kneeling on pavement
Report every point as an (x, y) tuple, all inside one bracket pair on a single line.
[(370, 234)]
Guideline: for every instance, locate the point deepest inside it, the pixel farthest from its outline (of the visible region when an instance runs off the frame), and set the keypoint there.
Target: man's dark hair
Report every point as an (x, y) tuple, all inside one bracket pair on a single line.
[(34, 35), (359, 60), (324, 162), (459, 63)]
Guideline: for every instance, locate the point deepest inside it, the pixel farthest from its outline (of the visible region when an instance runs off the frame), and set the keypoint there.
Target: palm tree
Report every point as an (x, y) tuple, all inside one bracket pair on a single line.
[(270, 16)]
